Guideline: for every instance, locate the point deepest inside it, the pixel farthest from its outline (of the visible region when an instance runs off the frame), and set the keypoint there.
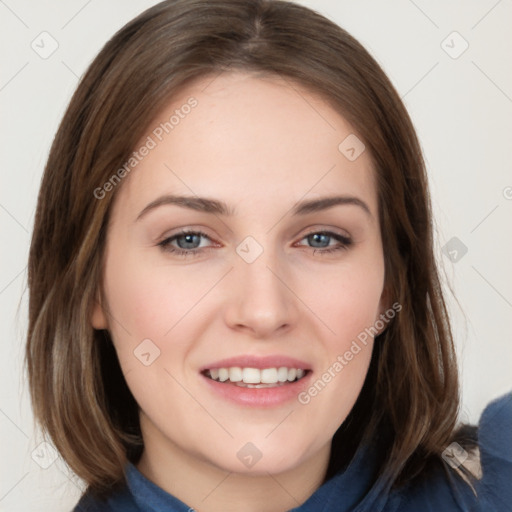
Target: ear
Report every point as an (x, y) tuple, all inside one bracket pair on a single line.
[(385, 301), (98, 316), (384, 306)]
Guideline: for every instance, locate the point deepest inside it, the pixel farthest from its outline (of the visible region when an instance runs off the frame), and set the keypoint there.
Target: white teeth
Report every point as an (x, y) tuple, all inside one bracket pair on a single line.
[(292, 374), (235, 374), (251, 375), (248, 377), (282, 374), (269, 376)]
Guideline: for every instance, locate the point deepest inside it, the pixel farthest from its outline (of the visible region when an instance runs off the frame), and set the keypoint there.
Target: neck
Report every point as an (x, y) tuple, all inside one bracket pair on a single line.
[(208, 488)]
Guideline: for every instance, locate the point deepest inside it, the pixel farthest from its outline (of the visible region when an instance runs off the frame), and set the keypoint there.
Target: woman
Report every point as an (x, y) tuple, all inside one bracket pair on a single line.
[(234, 302)]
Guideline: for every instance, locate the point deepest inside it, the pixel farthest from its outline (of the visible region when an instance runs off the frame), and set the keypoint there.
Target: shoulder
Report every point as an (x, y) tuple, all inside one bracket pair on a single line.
[(494, 487), (441, 488), (476, 480), (121, 501)]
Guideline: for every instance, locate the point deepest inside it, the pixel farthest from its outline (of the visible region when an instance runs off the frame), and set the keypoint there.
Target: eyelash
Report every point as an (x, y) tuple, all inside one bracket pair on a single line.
[(345, 243)]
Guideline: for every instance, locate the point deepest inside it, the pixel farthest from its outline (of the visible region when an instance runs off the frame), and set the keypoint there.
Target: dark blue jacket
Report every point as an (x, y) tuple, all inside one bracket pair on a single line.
[(352, 490)]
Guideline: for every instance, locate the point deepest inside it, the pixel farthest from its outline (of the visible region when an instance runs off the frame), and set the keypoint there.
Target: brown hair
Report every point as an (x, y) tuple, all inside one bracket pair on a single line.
[(78, 391)]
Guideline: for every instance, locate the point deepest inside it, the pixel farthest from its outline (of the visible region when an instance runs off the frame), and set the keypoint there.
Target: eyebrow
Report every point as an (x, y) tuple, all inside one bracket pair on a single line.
[(213, 206)]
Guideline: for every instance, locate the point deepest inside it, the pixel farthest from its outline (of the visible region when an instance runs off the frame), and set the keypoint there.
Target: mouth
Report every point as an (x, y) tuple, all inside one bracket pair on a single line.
[(256, 378), (257, 381)]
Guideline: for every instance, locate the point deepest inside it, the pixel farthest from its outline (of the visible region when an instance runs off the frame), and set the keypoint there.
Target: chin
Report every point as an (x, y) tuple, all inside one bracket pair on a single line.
[(260, 460)]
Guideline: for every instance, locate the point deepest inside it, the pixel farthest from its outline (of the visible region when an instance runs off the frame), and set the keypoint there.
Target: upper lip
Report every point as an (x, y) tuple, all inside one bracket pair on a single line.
[(260, 362)]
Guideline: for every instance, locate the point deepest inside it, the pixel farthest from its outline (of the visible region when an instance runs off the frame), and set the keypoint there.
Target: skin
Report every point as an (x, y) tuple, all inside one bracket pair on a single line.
[(259, 145)]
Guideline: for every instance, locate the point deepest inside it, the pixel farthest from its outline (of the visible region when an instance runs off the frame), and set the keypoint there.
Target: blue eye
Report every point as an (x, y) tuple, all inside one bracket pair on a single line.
[(320, 241), (188, 242)]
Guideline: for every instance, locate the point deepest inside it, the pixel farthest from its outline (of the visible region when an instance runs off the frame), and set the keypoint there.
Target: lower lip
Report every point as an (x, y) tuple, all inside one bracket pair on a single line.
[(259, 397)]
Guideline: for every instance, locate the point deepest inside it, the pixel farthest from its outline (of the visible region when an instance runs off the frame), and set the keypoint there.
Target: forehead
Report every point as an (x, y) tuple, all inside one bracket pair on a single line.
[(245, 139)]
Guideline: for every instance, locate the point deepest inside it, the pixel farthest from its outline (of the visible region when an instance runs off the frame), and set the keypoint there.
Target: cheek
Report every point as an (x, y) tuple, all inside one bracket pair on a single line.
[(145, 304), (348, 304), (148, 300), (347, 300), (338, 382)]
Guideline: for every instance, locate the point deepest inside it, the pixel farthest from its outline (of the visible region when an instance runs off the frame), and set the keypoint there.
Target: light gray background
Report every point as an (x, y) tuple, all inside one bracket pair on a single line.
[(461, 107)]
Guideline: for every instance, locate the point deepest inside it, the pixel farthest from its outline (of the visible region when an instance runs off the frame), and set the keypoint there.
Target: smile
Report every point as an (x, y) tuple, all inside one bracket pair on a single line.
[(255, 377)]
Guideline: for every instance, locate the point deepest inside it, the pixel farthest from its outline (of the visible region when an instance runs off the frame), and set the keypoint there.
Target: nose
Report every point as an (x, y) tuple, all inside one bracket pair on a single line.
[(261, 299)]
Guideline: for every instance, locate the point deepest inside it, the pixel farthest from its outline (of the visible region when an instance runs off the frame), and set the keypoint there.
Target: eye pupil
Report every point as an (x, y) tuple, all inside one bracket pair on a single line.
[(319, 238), (190, 239)]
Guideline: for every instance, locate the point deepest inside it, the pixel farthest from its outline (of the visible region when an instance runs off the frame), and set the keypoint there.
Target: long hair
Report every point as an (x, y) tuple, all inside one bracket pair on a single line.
[(78, 392)]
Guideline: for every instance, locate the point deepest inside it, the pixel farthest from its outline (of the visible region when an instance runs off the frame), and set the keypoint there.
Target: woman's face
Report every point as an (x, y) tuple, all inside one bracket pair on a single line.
[(276, 282)]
